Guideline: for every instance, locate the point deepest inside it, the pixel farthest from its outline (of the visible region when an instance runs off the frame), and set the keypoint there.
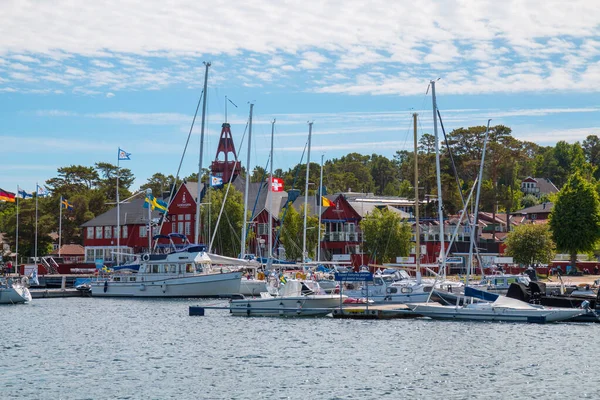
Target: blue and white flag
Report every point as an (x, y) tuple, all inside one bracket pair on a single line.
[(216, 181), (42, 191), (24, 194), (123, 155), (33, 277)]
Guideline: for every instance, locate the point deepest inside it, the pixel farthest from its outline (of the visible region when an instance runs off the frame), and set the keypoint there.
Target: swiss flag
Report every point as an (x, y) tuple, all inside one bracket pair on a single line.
[(277, 185)]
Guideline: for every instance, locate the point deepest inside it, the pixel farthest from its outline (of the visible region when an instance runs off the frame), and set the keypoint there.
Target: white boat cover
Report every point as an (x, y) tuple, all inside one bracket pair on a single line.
[(222, 260)]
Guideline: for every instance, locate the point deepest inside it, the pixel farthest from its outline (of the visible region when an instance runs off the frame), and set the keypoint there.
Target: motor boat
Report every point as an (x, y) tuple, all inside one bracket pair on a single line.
[(186, 272), (295, 298), (502, 309)]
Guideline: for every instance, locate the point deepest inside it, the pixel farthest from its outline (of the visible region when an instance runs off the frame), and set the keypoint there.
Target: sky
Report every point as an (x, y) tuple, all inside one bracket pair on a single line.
[(79, 82)]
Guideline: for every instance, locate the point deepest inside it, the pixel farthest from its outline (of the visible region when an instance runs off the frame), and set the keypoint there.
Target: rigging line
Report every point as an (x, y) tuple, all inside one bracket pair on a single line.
[(252, 215), (462, 197), (180, 163), (228, 186), (288, 203)]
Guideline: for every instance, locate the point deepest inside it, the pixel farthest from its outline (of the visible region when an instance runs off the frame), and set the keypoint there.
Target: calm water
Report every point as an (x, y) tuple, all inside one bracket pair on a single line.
[(85, 348)]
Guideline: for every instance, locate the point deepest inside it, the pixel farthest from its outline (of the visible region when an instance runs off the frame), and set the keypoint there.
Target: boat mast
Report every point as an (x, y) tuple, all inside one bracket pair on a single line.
[(439, 179), (417, 227), (270, 256), (304, 255), (476, 215), (320, 199), (244, 227), (197, 225)]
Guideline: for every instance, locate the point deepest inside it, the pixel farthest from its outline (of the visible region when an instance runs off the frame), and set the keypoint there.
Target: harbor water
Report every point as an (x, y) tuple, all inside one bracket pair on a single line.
[(87, 348)]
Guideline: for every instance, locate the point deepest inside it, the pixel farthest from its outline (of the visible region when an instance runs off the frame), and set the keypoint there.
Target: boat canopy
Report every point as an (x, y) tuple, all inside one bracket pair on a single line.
[(211, 258)]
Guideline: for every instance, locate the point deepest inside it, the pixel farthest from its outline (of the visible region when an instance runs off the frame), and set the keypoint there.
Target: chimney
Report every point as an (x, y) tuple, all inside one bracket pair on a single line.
[(543, 205)]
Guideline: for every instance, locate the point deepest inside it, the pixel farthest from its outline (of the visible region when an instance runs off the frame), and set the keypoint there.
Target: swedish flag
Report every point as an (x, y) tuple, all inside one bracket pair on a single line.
[(64, 203), (160, 206), (282, 280)]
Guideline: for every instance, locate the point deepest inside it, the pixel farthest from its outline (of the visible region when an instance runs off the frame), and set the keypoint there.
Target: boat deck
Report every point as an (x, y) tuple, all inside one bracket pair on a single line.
[(373, 311)]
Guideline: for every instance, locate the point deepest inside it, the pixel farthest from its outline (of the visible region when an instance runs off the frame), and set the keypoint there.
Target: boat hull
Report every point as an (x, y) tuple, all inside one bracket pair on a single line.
[(252, 287), (314, 305), (209, 285), (495, 313), (14, 295)]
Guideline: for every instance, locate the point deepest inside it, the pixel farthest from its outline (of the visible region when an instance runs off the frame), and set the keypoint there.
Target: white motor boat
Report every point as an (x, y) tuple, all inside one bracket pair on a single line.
[(189, 272), (13, 292), (502, 309), (295, 298), (400, 288), (252, 286)]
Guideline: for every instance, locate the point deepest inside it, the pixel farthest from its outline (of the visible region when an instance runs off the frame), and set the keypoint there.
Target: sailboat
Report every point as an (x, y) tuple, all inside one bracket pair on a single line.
[(13, 292), (186, 271), (296, 297)]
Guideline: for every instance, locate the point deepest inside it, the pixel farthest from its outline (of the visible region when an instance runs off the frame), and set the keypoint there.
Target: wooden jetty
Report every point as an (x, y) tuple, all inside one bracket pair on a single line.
[(54, 293), (373, 311), (348, 311)]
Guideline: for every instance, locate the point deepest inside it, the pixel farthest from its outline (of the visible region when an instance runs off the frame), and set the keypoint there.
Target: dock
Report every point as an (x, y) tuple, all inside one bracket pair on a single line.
[(373, 311), (54, 293), (354, 311)]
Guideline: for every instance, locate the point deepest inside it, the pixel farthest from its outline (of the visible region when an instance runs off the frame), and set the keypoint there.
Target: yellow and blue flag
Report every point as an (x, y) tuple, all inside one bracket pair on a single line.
[(160, 206), (64, 203), (149, 201), (282, 280)]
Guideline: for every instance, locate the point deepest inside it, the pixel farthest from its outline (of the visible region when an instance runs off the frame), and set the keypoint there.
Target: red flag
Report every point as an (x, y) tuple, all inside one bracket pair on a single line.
[(277, 185)]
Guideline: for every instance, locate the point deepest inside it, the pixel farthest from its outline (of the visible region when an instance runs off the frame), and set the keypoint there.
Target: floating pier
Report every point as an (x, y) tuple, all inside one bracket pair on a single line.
[(354, 311)]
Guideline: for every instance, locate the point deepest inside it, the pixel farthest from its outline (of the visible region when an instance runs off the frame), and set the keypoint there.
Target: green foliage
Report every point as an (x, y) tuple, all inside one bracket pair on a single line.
[(385, 235), (292, 233), (227, 235), (530, 244), (575, 218), (529, 200), (160, 183)]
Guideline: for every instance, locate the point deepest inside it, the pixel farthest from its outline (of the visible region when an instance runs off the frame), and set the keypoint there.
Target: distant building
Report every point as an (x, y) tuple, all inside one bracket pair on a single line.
[(535, 214), (538, 186)]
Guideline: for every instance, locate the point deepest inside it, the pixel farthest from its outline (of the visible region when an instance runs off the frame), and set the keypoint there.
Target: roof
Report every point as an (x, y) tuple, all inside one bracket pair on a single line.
[(364, 208), (544, 184), (260, 190), (313, 206), (540, 208), (71, 249), (192, 187), (131, 213)]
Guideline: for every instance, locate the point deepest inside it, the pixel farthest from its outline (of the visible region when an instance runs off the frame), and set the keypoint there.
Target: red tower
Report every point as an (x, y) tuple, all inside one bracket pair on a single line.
[(226, 168)]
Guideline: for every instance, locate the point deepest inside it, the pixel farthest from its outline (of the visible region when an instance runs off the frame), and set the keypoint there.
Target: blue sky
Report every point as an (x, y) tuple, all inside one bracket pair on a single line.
[(77, 83)]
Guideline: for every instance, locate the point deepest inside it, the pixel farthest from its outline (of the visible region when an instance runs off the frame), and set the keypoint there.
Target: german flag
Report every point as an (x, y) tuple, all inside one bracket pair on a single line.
[(7, 196)]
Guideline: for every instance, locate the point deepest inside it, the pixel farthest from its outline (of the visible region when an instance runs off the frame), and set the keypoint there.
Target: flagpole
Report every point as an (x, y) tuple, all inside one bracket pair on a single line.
[(37, 194), (60, 224), (17, 233), (118, 211), (320, 205), (148, 194)]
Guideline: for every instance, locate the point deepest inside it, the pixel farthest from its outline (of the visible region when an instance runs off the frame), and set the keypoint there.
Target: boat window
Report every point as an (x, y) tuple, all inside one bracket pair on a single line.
[(173, 268), (406, 290), (154, 268), (427, 289), (132, 279), (116, 278), (392, 290), (377, 281), (199, 268), (189, 268)]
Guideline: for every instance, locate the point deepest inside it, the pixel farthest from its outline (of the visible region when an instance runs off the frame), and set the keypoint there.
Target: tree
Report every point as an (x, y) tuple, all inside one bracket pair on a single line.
[(385, 235), (529, 201), (73, 179), (292, 232), (160, 183), (383, 171), (530, 244), (575, 218), (227, 235), (108, 180)]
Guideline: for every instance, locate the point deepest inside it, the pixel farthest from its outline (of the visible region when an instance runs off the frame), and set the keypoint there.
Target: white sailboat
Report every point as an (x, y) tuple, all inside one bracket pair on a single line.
[(13, 292)]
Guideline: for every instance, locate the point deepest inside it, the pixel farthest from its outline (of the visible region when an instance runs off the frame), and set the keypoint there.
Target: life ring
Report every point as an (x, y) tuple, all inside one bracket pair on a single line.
[(298, 275), (260, 276), (146, 257)]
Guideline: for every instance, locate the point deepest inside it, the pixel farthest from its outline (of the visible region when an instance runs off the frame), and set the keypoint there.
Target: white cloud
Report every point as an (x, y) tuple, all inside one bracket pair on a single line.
[(24, 58), (109, 95), (102, 64)]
